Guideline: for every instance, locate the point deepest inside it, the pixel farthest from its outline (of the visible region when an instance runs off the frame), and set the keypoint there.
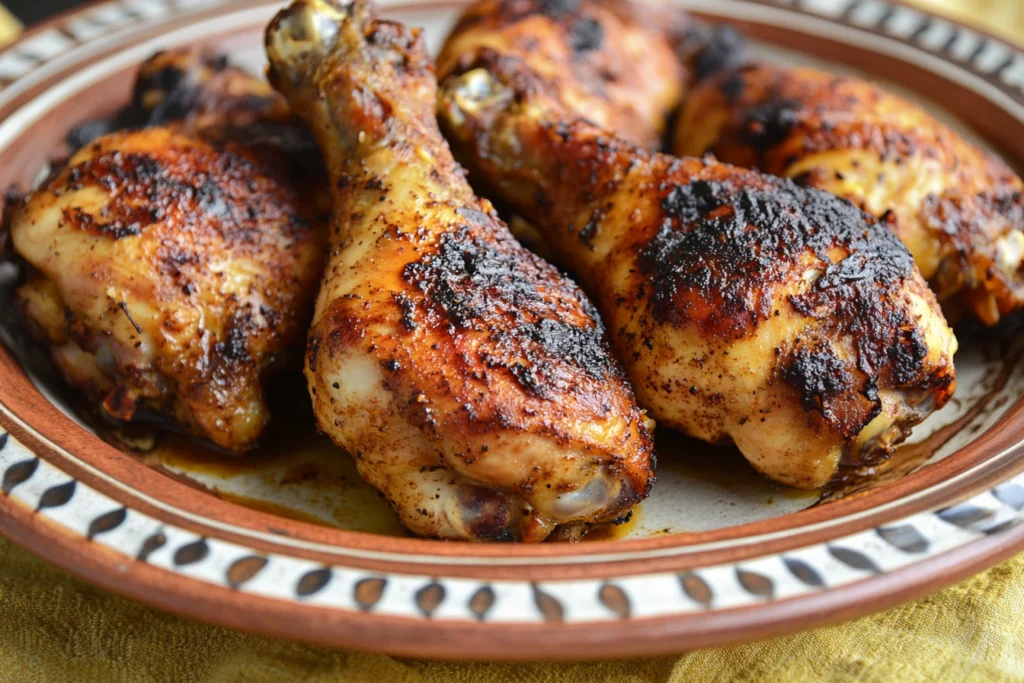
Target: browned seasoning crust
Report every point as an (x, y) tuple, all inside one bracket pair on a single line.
[(172, 269), (718, 233), (959, 210), (469, 378), (612, 61), (744, 307)]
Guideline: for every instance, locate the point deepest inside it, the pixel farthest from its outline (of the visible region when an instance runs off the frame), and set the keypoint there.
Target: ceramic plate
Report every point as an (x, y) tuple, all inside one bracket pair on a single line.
[(291, 543)]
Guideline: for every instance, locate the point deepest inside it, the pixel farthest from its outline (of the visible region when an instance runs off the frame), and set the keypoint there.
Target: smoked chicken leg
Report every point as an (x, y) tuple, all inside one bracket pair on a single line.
[(744, 308), (613, 62), (469, 379)]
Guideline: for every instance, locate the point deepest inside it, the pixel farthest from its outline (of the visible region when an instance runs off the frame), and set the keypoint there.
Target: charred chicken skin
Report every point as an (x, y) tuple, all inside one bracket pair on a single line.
[(193, 89), (201, 89), (959, 210), (469, 379), (171, 270), (613, 62), (745, 308)]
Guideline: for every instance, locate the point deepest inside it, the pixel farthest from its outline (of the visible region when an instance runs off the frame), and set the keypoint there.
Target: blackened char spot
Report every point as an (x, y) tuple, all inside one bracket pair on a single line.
[(906, 355), (717, 233), (234, 347), (303, 160), (408, 310), (590, 230), (488, 285), (732, 85), (131, 176), (180, 94), (715, 49), (770, 123), (468, 278), (579, 346), (556, 9), (586, 35), (173, 88), (724, 246), (182, 90), (690, 203), (819, 375)]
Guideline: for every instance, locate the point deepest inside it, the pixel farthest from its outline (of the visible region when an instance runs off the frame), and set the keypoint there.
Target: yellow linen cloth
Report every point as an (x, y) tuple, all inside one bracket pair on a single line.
[(9, 26), (56, 628)]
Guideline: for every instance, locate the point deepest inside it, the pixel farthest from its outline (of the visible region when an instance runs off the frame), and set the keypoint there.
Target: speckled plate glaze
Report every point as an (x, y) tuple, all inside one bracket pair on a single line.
[(290, 543)]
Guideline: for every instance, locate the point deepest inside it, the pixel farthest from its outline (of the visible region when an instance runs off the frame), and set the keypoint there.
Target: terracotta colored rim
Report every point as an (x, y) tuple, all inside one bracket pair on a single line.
[(106, 517)]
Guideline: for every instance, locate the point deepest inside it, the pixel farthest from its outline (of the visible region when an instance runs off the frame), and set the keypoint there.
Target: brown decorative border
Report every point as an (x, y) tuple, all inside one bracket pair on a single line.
[(44, 506)]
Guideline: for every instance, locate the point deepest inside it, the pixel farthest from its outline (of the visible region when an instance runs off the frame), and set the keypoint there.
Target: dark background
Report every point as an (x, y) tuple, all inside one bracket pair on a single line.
[(31, 11)]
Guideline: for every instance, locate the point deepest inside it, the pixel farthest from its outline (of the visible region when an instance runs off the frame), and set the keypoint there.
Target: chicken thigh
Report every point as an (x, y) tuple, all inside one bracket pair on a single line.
[(172, 270), (745, 308), (959, 210), (469, 379)]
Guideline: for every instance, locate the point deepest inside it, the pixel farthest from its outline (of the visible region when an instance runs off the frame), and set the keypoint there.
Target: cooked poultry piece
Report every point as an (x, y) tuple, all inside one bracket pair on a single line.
[(200, 87), (705, 49), (959, 210), (745, 308), (196, 89), (468, 377), (172, 270), (613, 61)]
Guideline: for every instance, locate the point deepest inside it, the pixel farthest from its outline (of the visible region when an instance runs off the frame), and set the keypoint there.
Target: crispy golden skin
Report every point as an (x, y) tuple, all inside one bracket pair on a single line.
[(744, 308), (612, 61), (959, 210), (172, 269), (169, 274), (469, 378)]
